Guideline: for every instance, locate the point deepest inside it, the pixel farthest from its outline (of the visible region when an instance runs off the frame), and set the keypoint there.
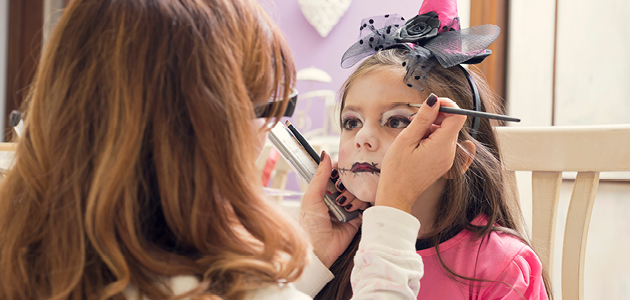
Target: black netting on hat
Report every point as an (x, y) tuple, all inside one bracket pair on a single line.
[(376, 33), (452, 48), (418, 66), (449, 48)]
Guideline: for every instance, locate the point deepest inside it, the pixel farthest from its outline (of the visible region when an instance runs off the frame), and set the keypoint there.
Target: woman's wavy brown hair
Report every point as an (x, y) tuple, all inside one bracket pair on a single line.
[(480, 189), (137, 159)]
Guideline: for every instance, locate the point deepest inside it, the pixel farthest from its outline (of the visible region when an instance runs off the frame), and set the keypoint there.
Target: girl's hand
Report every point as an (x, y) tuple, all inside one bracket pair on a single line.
[(329, 237), (422, 153)]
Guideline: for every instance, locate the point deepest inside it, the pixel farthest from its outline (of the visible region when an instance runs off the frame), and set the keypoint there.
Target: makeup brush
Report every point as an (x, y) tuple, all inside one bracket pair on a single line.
[(472, 113), (303, 141)]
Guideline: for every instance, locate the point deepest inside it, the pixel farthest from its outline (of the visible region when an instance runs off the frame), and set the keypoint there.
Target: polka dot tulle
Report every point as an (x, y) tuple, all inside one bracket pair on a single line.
[(449, 48), (376, 33)]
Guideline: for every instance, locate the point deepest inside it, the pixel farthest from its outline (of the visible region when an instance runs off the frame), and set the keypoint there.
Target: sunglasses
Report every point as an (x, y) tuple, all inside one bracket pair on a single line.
[(264, 110)]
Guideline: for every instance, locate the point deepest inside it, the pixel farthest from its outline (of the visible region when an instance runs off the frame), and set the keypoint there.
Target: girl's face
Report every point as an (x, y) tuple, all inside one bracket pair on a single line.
[(375, 112)]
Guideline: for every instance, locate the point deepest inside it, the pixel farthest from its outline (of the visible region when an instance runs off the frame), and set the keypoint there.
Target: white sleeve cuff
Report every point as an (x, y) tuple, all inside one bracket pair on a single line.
[(391, 227), (314, 277)]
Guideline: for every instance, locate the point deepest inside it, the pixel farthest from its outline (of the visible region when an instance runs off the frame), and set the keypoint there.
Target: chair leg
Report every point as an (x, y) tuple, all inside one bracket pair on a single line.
[(545, 198), (576, 233)]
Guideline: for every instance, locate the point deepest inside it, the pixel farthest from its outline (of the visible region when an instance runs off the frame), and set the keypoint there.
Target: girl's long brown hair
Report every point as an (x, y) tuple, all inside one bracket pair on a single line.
[(137, 159), (482, 189)]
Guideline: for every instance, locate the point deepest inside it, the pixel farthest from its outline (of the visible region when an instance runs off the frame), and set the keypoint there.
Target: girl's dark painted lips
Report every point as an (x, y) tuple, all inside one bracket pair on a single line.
[(365, 167)]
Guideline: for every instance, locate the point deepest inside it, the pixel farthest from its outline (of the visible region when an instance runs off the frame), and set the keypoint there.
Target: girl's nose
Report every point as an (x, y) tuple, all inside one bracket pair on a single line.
[(366, 138)]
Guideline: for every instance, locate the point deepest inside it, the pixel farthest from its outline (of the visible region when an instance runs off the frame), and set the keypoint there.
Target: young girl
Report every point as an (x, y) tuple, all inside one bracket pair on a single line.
[(472, 240)]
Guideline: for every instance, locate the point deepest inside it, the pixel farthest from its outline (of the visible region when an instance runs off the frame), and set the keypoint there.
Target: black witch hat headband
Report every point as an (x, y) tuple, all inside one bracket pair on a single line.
[(426, 47)]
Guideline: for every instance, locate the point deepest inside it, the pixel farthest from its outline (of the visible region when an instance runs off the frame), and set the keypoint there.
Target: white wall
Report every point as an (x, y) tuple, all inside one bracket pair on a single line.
[(530, 61), (463, 9), (4, 30), (592, 62), (592, 86)]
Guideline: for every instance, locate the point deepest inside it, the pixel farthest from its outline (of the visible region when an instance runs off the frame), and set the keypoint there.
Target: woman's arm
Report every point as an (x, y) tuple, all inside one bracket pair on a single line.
[(329, 238), (315, 276), (387, 265), (386, 258)]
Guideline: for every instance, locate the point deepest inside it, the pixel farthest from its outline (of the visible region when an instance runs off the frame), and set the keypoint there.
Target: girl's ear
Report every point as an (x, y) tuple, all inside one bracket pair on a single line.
[(468, 153)]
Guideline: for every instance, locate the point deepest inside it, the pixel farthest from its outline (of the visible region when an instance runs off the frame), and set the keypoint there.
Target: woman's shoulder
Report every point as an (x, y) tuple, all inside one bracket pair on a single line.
[(279, 291), (183, 284)]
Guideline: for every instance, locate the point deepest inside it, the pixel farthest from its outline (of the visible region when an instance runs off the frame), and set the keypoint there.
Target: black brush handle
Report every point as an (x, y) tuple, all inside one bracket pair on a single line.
[(479, 114), (472, 113), (304, 143)]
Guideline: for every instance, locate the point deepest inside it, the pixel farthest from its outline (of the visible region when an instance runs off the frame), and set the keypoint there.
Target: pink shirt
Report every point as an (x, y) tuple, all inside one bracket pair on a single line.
[(497, 257)]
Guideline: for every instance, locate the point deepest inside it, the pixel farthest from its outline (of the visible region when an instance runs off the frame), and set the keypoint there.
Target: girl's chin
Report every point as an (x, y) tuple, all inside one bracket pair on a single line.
[(365, 194), (363, 186)]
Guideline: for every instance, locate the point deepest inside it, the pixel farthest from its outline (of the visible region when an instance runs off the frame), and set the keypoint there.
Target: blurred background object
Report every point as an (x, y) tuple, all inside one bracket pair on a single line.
[(323, 15), (16, 122)]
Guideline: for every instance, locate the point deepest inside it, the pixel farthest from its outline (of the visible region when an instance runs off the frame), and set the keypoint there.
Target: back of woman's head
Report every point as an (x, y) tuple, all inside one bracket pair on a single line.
[(137, 159)]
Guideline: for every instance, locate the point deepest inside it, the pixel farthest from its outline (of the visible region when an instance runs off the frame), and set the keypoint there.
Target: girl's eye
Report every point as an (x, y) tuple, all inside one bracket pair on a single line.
[(351, 123), (397, 122)]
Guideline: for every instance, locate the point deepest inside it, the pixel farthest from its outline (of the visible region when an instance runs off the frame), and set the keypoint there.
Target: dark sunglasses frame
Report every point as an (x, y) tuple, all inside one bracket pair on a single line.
[(264, 110)]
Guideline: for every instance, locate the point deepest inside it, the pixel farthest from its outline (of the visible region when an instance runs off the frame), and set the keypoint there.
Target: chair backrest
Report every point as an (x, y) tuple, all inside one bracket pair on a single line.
[(7, 151), (548, 152)]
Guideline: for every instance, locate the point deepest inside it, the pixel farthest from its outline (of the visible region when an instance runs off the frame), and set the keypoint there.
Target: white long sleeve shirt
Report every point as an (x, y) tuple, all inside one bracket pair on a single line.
[(385, 267)]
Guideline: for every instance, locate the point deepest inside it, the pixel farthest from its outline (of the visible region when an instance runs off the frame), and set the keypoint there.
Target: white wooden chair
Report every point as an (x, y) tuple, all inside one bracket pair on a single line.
[(548, 152), (6, 156)]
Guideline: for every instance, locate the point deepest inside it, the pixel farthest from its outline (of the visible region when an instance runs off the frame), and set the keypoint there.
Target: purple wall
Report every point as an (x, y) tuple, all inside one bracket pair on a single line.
[(312, 50)]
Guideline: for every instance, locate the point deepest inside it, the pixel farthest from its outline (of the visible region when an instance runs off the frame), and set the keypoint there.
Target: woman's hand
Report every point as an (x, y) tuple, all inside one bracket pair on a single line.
[(422, 153), (329, 238)]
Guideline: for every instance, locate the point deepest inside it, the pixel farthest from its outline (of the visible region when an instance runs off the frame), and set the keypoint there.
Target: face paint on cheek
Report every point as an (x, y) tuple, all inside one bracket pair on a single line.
[(344, 160)]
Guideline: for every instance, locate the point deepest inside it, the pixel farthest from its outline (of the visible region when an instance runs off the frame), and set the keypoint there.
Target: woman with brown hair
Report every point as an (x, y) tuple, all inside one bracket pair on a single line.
[(135, 175)]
